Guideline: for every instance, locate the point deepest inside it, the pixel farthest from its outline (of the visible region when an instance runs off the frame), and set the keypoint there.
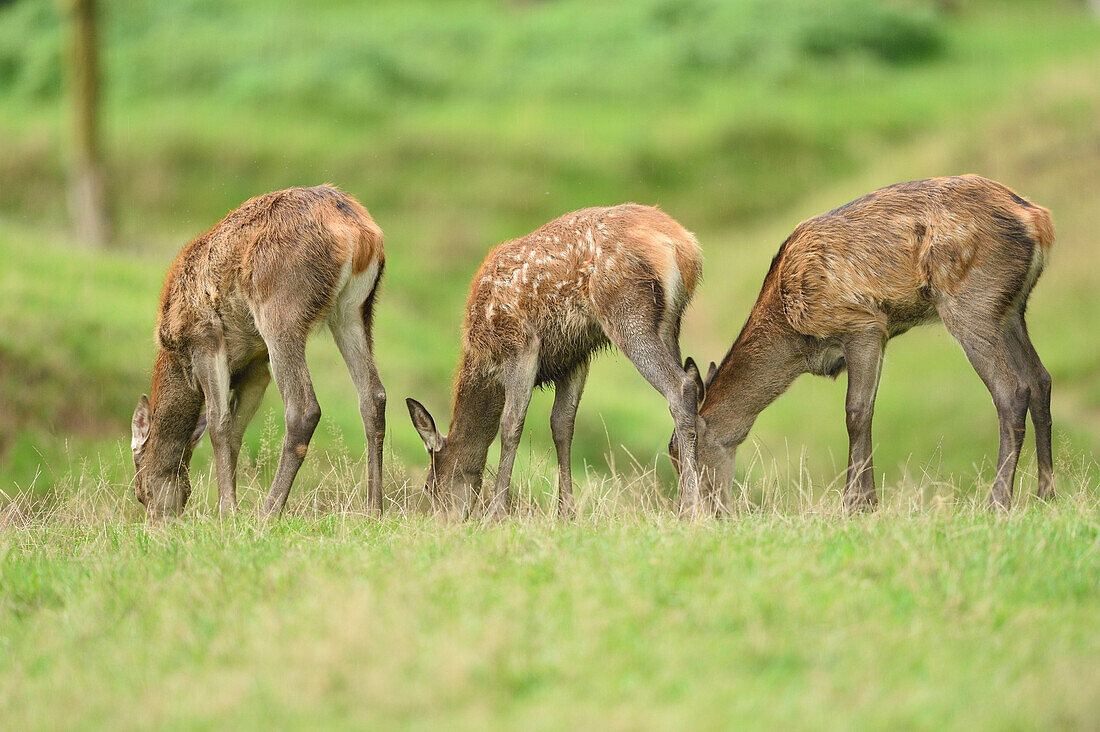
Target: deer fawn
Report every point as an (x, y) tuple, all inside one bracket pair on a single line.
[(966, 250), (539, 307), (244, 294)]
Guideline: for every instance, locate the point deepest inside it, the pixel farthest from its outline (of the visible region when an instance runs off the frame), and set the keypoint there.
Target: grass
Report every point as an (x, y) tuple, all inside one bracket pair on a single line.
[(931, 613), (442, 109)]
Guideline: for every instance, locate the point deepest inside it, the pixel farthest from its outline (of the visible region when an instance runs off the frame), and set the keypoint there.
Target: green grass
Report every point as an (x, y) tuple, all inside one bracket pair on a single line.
[(930, 614), (515, 111)]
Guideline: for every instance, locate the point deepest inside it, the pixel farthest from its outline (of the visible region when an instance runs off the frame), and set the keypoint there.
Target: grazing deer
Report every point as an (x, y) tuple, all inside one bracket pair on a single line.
[(244, 294), (539, 307), (966, 250)]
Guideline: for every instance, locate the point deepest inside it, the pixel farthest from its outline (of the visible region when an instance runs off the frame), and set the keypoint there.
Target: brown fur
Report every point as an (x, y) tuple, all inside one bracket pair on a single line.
[(538, 308), (251, 288), (887, 257), (966, 250), (560, 280), (305, 234)]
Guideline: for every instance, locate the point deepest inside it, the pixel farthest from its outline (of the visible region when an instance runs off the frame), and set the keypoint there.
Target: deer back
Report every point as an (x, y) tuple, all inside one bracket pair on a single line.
[(561, 283), (292, 249), (892, 254)]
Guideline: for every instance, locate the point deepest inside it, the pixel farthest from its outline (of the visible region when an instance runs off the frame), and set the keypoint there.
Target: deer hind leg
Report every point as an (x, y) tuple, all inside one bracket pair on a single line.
[(659, 364), (352, 333), (718, 500), (288, 361), (519, 384), (987, 346), (567, 397), (863, 354), (1038, 378)]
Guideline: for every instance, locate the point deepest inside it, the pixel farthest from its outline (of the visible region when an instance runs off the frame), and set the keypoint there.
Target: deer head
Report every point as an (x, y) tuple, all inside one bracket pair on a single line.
[(161, 459), (715, 458)]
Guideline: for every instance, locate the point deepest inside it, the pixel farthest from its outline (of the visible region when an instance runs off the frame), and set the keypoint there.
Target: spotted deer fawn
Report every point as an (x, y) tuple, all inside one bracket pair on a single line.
[(965, 250), (243, 295), (538, 309)]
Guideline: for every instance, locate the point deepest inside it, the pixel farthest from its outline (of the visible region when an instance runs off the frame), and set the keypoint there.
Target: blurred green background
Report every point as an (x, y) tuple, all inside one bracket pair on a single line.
[(460, 124)]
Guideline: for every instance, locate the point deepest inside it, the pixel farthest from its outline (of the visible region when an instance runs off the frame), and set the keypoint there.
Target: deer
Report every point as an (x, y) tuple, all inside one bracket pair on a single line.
[(238, 304), (965, 250), (539, 308)]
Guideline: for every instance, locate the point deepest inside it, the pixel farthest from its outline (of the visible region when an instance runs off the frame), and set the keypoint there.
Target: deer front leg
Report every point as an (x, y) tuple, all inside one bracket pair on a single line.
[(863, 355), (211, 370), (248, 387), (519, 383), (567, 397)]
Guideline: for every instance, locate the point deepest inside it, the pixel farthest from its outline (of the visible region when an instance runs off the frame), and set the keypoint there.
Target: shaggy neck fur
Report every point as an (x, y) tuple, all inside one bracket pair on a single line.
[(475, 420), (175, 406)]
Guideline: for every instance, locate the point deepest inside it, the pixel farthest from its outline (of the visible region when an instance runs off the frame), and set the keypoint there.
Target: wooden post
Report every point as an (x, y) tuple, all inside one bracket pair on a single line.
[(87, 182)]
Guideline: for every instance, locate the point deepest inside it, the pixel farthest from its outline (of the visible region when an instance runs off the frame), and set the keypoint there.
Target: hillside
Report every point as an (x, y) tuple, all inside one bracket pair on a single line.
[(459, 125)]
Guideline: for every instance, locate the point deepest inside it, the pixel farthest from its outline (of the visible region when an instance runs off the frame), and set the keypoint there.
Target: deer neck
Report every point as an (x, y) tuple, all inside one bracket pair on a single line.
[(762, 363), (175, 407), (475, 421)]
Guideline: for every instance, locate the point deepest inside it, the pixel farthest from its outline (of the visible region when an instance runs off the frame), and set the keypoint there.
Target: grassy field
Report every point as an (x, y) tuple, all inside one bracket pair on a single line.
[(930, 614), (462, 124)]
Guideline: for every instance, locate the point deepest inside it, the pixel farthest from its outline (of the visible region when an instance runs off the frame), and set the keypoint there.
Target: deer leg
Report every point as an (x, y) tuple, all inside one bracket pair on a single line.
[(715, 498), (863, 355), (249, 386), (288, 361), (353, 338), (1039, 403), (519, 383), (211, 371), (567, 397), (663, 371), (990, 355)]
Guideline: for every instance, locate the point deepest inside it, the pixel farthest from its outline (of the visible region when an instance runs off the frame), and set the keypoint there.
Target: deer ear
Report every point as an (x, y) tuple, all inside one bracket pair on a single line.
[(424, 425), (693, 373), (139, 426), (199, 429), (711, 371)]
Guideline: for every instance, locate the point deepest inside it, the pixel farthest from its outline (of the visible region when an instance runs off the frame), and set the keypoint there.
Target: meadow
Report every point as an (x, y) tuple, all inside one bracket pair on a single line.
[(462, 124), (929, 614)]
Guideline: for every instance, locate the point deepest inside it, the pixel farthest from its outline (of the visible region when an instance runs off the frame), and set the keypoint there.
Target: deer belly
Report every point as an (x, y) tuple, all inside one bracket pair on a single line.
[(900, 317), (561, 350)]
